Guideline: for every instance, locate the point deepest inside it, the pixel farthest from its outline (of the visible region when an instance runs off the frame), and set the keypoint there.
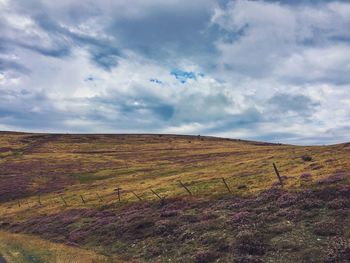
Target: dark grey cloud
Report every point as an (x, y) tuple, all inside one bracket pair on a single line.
[(166, 33), (103, 52), (10, 65), (162, 32), (31, 111), (295, 103), (57, 40), (128, 107), (248, 119), (197, 107)]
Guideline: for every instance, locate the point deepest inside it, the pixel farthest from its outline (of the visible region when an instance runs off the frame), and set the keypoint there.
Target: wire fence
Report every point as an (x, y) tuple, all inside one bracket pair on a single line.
[(120, 195)]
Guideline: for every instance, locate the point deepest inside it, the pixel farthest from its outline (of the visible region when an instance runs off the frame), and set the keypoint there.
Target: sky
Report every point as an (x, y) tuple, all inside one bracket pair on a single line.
[(275, 71)]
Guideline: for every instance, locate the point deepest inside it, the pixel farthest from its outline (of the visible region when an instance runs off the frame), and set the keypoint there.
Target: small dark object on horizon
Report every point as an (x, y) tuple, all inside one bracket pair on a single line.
[(306, 158)]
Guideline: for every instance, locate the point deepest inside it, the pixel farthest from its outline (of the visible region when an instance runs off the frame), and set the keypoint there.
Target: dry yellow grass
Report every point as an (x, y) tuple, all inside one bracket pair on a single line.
[(21, 248), (97, 164)]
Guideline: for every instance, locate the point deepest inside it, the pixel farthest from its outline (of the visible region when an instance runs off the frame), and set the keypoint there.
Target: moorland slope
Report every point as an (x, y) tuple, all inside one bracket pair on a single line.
[(172, 198)]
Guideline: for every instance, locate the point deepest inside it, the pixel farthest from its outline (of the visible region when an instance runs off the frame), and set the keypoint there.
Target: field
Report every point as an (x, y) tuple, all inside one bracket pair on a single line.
[(163, 198)]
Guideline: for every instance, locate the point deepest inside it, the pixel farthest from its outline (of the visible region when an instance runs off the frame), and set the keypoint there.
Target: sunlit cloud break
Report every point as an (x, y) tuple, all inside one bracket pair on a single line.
[(264, 70)]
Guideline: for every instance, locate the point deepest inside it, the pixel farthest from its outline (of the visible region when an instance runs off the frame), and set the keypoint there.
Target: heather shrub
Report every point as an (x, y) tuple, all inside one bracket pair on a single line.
[(187, 235), (310, 203), (287, 199), (338, 203), (250, 242), (209, 238), (170, 213), (242, 217), (206, 225), (191, 218), (77, 236), (248, 259), (222, 245), (338, 250), (333, 179), (280, 228), (165, 227), (326, 228), (209, 216), (344, 191), (310, 255), (294, 214), (205, 256), (276, 184)]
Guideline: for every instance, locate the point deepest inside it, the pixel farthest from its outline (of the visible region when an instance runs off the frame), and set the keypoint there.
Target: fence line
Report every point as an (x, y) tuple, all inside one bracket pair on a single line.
[(117, 192)]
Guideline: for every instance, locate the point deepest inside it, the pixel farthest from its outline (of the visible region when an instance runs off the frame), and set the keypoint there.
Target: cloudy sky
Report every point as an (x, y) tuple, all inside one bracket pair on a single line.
[(266, 70)]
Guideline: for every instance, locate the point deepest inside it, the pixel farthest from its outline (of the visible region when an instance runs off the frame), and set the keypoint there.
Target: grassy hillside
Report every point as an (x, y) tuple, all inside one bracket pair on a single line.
[(63, 188)]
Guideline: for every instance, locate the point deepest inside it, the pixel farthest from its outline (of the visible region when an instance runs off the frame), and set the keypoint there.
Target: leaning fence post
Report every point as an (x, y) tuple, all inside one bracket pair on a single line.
[(82, 199), (228, 188), (160, 198), (277, 173), (186, 188), (137, 196)]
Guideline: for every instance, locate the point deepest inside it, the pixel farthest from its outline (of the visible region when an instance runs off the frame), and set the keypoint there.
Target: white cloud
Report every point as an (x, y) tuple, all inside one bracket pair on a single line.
[(272, 71), (268, 36)]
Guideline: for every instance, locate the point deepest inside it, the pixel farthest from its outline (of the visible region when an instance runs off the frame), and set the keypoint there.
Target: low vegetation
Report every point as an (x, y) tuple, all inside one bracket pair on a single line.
[(27, 248), (62, 189)]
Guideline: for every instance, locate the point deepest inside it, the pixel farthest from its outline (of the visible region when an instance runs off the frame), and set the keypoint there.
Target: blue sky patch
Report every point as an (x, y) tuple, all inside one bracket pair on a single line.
[(182, 75)]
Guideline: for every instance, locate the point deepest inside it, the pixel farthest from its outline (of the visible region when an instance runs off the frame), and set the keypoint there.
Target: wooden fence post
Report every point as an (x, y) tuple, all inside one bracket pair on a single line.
[(138, 197), (228, 188), (186, 188), (39, 200), (82, 199), (160, 198), (277, 173), (118, 193)]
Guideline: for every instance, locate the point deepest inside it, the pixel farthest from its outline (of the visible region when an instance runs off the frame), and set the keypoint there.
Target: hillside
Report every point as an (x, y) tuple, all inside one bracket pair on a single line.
[(172, 198)]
